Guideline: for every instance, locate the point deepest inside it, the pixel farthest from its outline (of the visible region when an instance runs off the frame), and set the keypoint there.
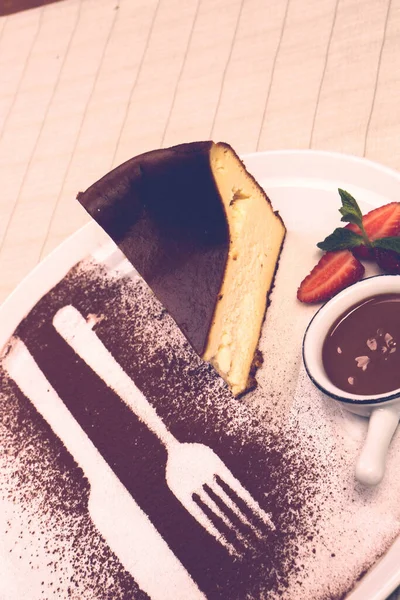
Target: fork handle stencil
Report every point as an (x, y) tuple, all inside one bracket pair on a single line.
[(123, 524), (78, 333)]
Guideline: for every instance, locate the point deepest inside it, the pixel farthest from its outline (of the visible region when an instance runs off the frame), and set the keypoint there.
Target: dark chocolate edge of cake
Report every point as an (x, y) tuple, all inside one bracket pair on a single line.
[(120, 169), (109, 181)]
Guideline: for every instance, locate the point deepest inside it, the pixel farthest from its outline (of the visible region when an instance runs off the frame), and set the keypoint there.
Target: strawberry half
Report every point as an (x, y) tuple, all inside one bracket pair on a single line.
[(334, 272), (380, 222), (388, 260)]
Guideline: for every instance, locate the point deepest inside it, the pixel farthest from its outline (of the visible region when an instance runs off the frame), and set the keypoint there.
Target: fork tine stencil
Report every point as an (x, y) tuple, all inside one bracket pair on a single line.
[(191, 467)]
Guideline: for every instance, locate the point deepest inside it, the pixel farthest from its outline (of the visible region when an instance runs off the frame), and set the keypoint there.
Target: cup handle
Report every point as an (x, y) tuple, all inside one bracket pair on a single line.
[(371, 463)]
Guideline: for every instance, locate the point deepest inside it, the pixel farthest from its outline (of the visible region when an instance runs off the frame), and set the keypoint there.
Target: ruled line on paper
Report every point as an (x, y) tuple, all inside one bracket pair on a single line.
[(102, 55), (378, 70), (43, 122), (135, 81), (272, 73), (24, 69), (3, 23), (181, 70), (328, 46), (226, 69)]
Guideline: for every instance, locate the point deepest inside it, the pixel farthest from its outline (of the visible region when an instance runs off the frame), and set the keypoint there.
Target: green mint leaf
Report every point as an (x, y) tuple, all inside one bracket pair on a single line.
[(351, 213), (388, 243), (350, 210), (341, 239)]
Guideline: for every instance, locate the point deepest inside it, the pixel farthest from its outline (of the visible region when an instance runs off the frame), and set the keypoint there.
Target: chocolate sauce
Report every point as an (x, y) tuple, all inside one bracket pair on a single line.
[(361, 353)]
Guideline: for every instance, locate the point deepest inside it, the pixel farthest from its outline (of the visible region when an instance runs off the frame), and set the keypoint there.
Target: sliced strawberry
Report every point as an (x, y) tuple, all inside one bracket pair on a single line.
[(334, 272), (363, 252), (380, 222), (388, 260)]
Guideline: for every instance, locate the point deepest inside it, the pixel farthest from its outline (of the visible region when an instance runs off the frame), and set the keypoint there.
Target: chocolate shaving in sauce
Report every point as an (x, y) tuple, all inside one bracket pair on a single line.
[(196, 405), (368, 362)]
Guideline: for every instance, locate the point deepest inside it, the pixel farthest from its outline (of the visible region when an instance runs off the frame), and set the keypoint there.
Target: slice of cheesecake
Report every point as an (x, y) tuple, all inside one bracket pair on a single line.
[(203, 234)]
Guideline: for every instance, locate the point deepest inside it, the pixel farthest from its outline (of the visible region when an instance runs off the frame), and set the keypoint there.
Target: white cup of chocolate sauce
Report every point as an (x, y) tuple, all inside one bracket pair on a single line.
[(351, 352)]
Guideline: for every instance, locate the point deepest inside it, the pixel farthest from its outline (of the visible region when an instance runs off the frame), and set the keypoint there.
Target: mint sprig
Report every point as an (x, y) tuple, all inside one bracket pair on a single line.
[(351, 213), (345, 239), (388, 243), (341, 239)]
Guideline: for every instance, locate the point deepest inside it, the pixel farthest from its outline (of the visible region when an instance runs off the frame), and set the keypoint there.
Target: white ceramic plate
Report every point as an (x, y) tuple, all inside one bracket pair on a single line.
[(303, 185)]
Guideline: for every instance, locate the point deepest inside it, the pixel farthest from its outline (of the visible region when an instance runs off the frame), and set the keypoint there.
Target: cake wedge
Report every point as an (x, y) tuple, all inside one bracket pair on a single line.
[(204, 236)]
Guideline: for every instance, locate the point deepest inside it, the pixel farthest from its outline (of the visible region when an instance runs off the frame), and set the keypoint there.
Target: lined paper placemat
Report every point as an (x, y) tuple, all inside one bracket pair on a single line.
[(86, 84)]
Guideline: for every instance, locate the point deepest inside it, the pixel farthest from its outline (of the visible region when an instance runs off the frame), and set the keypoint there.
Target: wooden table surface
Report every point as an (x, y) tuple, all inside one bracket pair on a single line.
[(86, 84)]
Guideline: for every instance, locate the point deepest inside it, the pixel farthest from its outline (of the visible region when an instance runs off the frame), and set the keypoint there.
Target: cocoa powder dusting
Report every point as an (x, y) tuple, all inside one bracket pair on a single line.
[(46, 490)]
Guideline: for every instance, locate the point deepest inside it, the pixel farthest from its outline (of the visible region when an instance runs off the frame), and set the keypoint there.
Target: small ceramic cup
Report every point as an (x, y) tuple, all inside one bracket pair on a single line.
[(383, 410)]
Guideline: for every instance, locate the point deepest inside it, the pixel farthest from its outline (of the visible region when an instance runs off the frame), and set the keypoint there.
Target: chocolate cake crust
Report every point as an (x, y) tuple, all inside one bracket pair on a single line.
[(178, 242)]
